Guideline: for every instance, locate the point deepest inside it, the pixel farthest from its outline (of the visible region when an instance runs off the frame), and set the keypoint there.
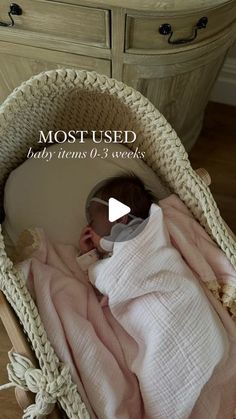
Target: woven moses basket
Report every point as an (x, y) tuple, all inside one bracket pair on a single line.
[(80, 100)]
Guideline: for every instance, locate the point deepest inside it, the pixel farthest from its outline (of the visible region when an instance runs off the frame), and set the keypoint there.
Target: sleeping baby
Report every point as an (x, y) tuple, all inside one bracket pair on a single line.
[(98, 237), (157, 301), (156, 321)]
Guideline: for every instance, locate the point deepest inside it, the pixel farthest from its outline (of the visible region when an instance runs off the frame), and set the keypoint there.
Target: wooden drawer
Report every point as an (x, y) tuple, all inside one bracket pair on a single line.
[(20, 62), (142, 32), (78, 24)]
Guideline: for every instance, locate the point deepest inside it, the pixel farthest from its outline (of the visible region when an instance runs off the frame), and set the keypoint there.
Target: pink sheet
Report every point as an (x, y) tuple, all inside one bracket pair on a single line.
[(91, 337), (83, 333)]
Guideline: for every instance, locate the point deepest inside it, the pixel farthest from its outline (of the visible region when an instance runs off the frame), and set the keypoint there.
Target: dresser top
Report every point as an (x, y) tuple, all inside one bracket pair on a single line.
[(165, 5)]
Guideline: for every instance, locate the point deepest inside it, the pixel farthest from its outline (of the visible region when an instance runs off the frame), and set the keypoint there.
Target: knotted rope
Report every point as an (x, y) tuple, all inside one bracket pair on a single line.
[(23, 374)]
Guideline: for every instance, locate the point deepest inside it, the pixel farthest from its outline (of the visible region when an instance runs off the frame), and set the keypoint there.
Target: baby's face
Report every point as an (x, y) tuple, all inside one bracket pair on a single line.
[(98, 226), (98, 219)]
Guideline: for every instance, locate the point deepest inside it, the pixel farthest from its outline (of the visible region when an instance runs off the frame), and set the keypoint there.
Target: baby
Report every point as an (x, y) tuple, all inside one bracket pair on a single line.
[(98, 237)]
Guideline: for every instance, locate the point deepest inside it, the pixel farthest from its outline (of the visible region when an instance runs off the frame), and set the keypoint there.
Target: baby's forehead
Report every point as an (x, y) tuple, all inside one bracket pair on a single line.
[(96, 208)]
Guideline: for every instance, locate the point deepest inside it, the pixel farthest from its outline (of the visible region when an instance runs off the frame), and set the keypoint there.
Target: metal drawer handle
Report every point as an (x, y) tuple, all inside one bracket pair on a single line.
[(166, 29), (15, 9)]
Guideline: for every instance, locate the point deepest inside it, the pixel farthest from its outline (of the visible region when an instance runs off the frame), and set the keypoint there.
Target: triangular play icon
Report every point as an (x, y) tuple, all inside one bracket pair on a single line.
[(116, 209)]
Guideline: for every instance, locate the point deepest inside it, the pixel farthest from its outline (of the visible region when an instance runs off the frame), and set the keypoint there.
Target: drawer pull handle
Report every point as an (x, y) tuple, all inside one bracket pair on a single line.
[(14, 10), (166, 29)]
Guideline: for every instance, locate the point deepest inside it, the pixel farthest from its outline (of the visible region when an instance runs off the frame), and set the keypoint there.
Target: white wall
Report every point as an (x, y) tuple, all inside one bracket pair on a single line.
[(224, 90)]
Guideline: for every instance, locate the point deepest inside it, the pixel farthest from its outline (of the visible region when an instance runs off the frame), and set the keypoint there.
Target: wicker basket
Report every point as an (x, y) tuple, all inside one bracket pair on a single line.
[(80, 100)]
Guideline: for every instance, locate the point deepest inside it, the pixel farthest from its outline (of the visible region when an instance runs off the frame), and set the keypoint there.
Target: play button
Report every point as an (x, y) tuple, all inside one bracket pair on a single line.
[(116, 209), (104, 214)]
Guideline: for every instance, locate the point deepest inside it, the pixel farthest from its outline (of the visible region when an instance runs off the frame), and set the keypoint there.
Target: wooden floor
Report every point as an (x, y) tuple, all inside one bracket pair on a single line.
[(215, 151), (8, 405)]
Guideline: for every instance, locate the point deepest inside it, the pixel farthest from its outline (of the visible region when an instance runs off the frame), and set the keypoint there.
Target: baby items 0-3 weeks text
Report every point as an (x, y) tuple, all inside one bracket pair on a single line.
[(47, 154)]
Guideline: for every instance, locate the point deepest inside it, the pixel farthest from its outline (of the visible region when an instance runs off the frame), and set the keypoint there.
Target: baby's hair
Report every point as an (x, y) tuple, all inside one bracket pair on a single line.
[(130, 190)]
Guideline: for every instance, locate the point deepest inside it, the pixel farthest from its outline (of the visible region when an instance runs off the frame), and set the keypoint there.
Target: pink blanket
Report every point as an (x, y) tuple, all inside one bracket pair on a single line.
[(163, 346)]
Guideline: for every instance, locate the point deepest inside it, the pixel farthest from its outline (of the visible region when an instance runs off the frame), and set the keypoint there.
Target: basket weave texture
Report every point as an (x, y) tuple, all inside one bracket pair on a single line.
[(67, 99)]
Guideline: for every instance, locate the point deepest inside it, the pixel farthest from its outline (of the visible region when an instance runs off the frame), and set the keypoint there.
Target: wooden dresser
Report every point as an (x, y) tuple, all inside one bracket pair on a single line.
[(170, 50)]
